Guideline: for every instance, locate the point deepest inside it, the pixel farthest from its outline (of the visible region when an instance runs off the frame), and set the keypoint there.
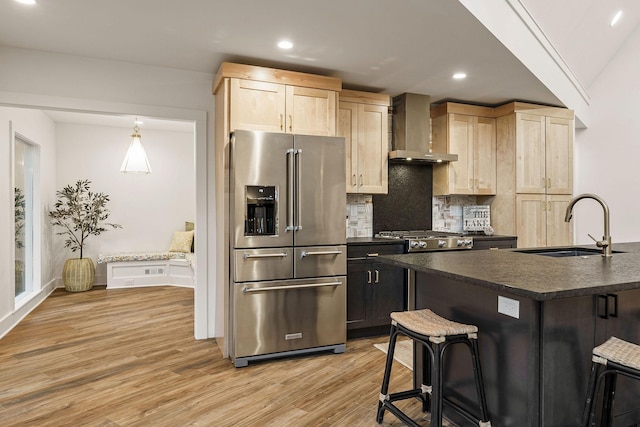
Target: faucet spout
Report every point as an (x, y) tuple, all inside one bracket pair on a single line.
[(605, 243)]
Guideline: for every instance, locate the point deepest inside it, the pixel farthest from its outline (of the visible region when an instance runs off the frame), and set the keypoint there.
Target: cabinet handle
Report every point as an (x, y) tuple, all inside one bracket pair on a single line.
[(544, 183), (613, 297), (477, 183), (354, 180), (548, 182), (471, 183), (377, 277), (369, 276), (290, 123), (372, 254), (361, 180), (281, 124), (603, 298)]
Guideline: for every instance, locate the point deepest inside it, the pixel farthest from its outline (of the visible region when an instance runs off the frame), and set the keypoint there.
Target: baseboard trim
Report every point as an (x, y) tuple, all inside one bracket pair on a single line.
[(12, 319)]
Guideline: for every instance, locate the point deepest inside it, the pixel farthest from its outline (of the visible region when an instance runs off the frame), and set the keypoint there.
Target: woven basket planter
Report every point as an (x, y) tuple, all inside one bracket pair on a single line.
[(78, 274)]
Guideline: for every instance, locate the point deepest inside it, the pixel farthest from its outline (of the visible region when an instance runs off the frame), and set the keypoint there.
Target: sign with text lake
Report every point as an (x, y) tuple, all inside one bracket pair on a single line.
[(476, 218)]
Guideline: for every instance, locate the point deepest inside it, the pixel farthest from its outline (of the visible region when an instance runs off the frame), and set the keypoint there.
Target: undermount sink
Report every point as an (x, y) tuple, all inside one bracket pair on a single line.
[(563, 252)]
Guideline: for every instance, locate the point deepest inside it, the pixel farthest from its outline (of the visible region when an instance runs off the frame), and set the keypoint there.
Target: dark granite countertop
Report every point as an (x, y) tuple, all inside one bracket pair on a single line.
[(532, 276)]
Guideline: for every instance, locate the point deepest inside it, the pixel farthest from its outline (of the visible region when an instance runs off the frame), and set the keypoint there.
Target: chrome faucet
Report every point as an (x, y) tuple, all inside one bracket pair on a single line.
[(605, 243)]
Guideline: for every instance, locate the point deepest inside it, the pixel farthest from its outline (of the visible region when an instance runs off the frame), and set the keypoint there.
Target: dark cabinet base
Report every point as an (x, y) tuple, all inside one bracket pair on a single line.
[(374, 290), (535, 366)]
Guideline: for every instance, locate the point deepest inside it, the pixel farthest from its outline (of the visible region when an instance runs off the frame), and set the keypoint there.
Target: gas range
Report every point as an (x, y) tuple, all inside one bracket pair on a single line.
[(429, 240)]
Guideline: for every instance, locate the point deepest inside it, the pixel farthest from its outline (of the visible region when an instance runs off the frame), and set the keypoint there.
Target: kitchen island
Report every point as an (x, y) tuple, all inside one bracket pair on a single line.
[(539, 318)]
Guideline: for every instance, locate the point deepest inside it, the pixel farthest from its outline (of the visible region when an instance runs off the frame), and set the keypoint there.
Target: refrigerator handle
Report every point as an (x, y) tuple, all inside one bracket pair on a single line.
[(246, 289), (298, 214), (290, 180)]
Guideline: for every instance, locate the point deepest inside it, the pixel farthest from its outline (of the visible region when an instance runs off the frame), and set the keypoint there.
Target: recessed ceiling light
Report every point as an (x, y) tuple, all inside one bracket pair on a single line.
[(26, 1), (285, 44), (459, 76), (615, 18)]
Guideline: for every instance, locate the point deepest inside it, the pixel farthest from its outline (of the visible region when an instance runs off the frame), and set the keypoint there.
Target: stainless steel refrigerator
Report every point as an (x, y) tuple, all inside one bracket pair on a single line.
[(288, 245)]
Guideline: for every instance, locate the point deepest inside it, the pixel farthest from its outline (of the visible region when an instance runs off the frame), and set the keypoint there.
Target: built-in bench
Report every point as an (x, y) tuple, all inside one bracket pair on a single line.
[(136, 269)]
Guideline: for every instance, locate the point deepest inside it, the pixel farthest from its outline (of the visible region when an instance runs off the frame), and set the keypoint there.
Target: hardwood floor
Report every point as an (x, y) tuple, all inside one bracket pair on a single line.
[(127, 357)]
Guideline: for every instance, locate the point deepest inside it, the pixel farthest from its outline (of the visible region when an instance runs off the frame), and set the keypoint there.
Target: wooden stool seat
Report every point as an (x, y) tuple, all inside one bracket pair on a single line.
[(436, 334), (610, 359), (426, 322)]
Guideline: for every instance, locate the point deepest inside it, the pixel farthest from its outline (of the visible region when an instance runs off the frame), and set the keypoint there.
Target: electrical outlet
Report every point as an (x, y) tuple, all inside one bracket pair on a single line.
[(509, 307)]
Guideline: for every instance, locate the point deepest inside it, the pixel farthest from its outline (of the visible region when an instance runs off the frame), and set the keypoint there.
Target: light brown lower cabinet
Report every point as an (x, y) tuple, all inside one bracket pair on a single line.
[(540, 220)]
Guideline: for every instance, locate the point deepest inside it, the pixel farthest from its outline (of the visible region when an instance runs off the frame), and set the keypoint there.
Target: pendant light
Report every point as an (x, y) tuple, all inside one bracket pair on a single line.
[(136, 159)]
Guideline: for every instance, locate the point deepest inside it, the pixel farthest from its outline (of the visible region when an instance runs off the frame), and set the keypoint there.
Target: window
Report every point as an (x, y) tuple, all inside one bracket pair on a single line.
[(26, 220)]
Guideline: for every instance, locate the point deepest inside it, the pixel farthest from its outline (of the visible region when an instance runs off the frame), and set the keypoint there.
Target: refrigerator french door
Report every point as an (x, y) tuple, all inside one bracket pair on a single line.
[(288, 242)]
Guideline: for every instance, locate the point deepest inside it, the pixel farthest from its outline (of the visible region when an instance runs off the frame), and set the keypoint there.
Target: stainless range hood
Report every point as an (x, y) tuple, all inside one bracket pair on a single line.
[(412, 131)]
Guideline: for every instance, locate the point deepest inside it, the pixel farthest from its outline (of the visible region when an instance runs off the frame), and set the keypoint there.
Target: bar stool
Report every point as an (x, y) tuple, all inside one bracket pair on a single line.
[(436, 334), (613, 357)]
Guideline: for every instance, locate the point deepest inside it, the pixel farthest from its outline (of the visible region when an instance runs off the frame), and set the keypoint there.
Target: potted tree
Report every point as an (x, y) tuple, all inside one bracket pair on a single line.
[(81, 213)]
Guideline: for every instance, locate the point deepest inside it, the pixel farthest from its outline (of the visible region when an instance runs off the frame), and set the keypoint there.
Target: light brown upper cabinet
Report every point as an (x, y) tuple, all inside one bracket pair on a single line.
[(363, 120), (271, 100), (544, 154), (470, 132)]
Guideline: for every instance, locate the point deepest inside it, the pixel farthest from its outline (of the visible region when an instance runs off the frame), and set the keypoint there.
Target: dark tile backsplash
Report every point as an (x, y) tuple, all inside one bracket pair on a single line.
[(408, 204)]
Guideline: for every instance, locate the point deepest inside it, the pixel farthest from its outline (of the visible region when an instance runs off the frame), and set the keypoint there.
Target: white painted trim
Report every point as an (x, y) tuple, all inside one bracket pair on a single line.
[(526, 18), (511, 23), (11, 320)]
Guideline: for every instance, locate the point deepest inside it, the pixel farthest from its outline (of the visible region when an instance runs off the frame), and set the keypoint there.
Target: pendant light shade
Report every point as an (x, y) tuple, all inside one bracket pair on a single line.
[(136, 159)]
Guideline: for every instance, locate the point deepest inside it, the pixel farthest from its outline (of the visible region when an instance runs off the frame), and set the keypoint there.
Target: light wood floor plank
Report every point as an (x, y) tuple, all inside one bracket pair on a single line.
[(127, 357)]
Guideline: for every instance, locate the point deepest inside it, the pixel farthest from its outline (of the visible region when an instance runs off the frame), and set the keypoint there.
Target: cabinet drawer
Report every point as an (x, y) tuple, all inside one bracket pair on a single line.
[(371, 251), (494, 243), (263, 264), (317, 261)]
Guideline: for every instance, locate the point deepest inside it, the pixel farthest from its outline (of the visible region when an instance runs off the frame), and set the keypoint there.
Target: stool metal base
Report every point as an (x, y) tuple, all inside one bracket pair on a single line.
[(430, 393)]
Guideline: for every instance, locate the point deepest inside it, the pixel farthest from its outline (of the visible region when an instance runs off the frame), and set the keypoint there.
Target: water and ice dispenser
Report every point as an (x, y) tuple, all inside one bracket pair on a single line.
[(261, 210)]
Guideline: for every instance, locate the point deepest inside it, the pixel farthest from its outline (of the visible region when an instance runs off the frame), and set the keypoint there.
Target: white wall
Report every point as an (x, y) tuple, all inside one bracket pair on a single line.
[(39, 129), (607, 154), (50, 80), (149, 207)]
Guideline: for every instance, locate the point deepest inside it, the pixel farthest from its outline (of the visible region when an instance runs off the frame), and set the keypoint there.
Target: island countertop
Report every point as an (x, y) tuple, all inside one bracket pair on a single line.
[(532, 276)]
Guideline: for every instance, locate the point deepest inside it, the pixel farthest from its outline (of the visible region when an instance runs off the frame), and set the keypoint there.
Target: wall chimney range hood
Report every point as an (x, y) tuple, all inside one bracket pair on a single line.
[(412, 131)]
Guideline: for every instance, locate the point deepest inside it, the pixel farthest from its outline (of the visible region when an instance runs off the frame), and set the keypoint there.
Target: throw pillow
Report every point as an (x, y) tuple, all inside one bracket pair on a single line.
[(181, 241)]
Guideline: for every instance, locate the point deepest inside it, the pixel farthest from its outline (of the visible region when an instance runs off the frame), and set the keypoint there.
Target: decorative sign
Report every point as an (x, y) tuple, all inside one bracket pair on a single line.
[(476, 218)]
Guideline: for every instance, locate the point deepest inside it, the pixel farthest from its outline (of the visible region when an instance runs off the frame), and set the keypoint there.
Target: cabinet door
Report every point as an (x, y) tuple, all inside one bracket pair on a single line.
[(257, 106), (530, 153), (359, 279), (310, 111), (484, 158), (387, 293), (559, 155), (348, 129), (531, 216), (559, 232), (461, 177), (373, 137)]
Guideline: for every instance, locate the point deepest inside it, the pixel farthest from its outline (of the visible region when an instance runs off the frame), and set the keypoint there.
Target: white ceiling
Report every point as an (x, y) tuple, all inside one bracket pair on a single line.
[(377, 45)]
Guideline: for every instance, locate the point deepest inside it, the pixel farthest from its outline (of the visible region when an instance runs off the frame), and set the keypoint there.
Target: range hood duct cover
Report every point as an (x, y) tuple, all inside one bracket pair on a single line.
[(412, 131)]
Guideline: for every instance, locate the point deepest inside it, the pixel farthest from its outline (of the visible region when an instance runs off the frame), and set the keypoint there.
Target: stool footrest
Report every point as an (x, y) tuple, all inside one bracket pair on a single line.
[(464, 413), (401, 395)]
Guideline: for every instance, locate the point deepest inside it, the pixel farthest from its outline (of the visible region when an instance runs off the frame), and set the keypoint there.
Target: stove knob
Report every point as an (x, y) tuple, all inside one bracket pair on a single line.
[(423, 244), (460, 242), (414, 244), (468, 242), (441, 243)]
